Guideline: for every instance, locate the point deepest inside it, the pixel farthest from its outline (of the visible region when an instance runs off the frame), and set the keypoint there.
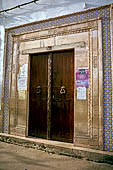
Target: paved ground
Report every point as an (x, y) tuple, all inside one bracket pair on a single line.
[(13, 157)]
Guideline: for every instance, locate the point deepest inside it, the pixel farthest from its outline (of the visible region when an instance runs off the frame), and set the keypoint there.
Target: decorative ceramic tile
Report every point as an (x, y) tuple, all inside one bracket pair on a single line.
[(104, 13)]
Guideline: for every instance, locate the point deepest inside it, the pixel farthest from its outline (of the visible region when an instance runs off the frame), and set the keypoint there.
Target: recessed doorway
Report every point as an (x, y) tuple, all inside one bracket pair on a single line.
[(51, 96)]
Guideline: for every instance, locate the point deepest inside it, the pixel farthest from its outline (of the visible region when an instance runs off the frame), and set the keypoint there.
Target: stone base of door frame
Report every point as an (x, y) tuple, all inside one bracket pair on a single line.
[(60, 148)]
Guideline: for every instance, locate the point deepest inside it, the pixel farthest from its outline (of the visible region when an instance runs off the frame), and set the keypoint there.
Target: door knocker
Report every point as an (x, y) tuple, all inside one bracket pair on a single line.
[(62, 90), (38, 90)]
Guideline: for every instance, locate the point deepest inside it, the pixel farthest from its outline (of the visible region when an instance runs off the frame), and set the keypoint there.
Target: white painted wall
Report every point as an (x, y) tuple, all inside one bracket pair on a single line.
[(1, 58)]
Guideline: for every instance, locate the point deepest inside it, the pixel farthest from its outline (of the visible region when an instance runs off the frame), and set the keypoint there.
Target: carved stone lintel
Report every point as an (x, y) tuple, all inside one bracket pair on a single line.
[(81, 44), (54, 33)]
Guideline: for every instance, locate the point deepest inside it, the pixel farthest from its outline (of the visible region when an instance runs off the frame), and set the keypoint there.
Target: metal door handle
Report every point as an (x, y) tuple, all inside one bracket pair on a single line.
[(62, 90), (38, 90)]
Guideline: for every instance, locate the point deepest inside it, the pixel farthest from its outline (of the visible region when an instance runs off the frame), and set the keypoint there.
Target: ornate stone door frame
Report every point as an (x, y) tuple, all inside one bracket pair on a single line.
[(84, 38)]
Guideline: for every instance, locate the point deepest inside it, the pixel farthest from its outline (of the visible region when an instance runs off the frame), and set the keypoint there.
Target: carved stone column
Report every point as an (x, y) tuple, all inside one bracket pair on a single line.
[(49, 96)]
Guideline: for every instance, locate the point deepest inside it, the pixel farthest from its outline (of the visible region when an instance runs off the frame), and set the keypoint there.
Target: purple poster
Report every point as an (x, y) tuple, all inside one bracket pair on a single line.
[(82, 78)]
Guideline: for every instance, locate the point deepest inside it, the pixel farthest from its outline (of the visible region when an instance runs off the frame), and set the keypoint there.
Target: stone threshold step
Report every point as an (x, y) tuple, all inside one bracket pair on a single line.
[(61, 148)]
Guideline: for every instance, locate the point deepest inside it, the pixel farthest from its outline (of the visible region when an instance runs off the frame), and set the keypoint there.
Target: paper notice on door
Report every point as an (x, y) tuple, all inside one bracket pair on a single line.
[(81, 93)]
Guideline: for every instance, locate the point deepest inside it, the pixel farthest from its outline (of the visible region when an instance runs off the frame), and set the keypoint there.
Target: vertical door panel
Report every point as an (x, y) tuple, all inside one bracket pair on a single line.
[(38, 96), (62, 115)]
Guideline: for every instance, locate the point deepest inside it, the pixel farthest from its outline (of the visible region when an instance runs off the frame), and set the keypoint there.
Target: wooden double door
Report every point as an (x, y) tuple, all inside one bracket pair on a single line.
[(51, 96)]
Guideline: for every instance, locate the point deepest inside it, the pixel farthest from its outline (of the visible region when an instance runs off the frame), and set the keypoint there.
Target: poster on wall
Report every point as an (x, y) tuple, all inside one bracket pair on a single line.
[(22, 83), (81, 93), (21, 94), (23, 70), (22, 77), (82, 77)]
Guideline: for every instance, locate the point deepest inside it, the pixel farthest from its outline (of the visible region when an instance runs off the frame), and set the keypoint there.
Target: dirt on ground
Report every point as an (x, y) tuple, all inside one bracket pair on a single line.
[(14, 157)]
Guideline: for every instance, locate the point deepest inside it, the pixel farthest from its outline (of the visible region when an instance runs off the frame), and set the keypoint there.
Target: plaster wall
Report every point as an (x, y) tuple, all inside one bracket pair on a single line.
[(1, 59)]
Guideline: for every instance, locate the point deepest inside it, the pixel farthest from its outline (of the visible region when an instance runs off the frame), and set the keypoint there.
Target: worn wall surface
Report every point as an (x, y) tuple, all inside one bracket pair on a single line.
[(53, 8), (104, 13), (42, 10), (86, 43), (1, 66), (1, 58)]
